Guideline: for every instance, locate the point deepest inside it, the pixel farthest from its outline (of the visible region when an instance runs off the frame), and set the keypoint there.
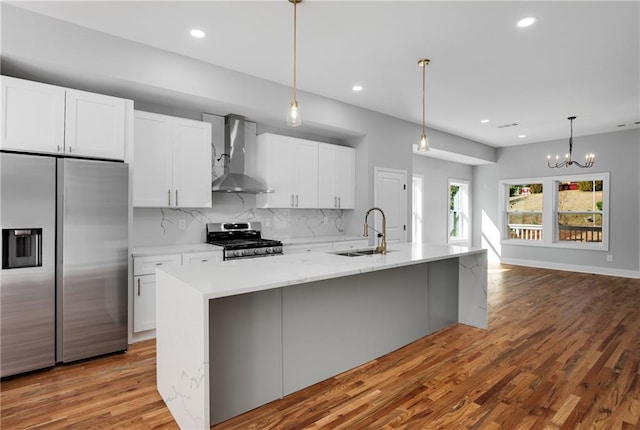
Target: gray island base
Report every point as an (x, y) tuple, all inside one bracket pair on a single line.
[(239, 334)]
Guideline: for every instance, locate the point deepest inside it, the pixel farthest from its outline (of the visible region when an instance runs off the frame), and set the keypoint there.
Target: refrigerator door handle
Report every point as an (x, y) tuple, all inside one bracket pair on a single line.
[(138, 287)]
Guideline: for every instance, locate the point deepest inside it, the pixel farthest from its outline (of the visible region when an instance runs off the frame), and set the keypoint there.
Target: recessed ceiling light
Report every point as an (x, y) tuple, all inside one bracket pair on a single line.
[(522, 136), (484, 121), (357, 88), (197, 33), (526, 22)]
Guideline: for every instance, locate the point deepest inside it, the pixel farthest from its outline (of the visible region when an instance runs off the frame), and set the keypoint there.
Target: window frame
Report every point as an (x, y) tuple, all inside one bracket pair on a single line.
[(466, 224), (550, 228)]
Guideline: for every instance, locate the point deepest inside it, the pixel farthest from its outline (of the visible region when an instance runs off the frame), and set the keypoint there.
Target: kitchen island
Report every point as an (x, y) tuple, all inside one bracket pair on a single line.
[(238, 334)]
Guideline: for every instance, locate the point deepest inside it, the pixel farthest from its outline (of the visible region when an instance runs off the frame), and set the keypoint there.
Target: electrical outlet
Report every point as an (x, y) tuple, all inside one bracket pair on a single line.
[(182, 224), (609, 258)]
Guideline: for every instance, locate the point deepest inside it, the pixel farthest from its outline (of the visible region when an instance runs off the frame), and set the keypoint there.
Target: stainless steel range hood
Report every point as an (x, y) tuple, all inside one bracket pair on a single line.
[(234, 180)]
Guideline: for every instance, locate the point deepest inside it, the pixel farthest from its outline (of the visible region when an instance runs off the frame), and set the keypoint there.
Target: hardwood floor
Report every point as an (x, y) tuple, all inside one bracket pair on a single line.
[(562, 352)]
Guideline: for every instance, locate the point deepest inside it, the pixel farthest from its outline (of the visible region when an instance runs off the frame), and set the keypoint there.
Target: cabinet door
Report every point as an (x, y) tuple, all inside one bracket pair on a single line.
[(152, 160), (192, 163), (94, 125), (274, 166), (306, 173), (336, 171), (144, 303), (345, 185), (327, 193), (32, 116)]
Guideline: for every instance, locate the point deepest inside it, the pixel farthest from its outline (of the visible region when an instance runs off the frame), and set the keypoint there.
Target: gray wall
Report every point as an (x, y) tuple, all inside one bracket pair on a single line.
[(436, 194), (617, 153), (48, 50)]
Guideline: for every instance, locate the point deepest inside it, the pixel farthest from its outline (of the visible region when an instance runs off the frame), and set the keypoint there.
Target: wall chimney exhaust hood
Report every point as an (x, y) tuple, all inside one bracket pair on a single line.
[(234, 180)]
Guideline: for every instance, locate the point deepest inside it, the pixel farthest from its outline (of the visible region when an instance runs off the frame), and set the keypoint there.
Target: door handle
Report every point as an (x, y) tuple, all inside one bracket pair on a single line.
[(296, 200), (169, 197), (335, 202), (292, 205), (138, 287), (176, 197)]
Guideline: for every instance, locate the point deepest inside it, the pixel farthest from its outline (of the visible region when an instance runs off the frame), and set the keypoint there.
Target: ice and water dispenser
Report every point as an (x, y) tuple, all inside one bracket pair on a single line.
[(21, 248)]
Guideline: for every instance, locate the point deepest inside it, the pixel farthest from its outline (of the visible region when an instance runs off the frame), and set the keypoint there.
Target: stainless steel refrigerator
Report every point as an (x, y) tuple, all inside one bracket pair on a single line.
[(63, 284)]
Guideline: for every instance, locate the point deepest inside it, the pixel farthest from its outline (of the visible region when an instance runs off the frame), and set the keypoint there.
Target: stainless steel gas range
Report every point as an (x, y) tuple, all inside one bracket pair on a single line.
[(242, 240)]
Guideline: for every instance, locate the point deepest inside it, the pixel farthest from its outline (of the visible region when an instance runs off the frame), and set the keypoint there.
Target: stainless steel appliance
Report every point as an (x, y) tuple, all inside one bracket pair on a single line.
[(63, 285), (242, 240)]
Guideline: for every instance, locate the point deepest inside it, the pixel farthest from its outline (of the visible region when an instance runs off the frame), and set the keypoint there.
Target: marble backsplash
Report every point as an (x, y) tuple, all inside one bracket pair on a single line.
[(162, 226)]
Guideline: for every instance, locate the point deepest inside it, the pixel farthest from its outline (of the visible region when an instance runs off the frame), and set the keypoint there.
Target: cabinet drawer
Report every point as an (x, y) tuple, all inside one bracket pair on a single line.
[(198, 258), (148, 265)]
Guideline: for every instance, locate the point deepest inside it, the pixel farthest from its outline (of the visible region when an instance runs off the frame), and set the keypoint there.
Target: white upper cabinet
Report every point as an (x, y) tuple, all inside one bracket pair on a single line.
[(304, 173), (32, 116), (290, 167), (94, 125), (171, 161), (45, 118), (336, 185)]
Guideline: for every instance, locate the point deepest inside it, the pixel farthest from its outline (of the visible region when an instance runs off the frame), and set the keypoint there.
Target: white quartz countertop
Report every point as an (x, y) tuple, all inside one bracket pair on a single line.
[(315, 239), (145, 251), (230, 278)]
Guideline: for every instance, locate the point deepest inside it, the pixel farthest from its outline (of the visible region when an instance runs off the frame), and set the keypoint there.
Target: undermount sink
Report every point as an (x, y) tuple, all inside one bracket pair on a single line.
[(359, 252)]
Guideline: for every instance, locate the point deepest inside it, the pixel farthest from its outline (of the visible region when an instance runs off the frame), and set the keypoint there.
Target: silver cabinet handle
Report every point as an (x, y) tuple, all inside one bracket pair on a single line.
[(292, 200), (169, 196), (335, 202), (58, 148), (296, 200), (339, 202), (203, 261), (70, 150), (138, 287), (176, 197)]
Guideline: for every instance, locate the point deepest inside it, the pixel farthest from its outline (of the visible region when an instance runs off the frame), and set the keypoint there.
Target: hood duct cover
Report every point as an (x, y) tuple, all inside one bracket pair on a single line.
[(234, 180)]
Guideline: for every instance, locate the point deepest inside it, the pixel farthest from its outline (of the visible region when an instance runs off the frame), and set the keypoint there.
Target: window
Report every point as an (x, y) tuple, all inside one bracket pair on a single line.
[(524, 211), (459, 219), (416, 216), (573, 213), (579, 214)]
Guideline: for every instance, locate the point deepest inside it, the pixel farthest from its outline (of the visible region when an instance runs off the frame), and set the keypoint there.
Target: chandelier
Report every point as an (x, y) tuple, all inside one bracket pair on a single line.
[(589, 158)]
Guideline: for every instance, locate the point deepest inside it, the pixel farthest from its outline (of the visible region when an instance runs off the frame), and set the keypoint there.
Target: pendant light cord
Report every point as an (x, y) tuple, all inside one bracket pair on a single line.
[(424, 71), (295, 60)]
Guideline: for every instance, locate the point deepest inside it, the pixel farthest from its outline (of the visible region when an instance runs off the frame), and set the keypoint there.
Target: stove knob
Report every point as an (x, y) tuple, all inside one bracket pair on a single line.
[(237, 253), (269, 250), (277, 249), (260, 251), (246, 252)]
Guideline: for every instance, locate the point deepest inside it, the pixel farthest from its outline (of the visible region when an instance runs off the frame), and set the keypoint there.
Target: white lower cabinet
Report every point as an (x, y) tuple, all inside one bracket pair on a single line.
[(144, 282), (144, 303)]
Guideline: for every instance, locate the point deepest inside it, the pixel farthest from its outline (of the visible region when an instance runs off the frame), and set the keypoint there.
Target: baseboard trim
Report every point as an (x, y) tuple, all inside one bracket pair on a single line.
[(573, 268)]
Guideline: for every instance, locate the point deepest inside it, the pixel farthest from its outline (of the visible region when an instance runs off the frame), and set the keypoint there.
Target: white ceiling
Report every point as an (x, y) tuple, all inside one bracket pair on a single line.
[(579, 59)]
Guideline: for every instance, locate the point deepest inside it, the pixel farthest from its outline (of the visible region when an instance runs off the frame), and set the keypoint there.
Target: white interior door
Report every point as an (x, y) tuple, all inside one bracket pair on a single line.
[(390, 195)]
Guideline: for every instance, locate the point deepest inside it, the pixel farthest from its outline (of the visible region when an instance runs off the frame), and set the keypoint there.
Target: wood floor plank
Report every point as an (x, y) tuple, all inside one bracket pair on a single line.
[(562, 352)]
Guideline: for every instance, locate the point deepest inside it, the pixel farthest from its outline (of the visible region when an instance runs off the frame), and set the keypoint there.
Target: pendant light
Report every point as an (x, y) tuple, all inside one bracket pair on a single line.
[(294, 119), (589, 158), (423, 143)]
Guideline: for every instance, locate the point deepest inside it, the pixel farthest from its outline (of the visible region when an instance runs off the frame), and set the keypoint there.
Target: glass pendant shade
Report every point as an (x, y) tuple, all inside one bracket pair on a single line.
[(294, 119), (423, 144)]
